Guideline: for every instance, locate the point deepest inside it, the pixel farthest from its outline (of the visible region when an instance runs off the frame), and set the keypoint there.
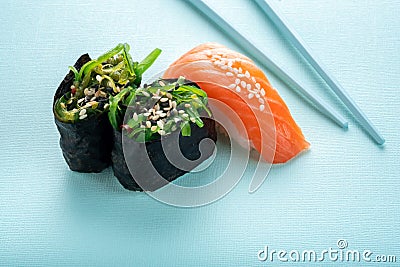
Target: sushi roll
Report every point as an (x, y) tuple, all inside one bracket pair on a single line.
[(236, 81), (82, 101), (166, 115)]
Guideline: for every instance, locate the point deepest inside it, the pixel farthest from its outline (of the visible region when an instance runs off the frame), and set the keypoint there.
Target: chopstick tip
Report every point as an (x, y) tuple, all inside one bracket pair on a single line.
[(381, 141)]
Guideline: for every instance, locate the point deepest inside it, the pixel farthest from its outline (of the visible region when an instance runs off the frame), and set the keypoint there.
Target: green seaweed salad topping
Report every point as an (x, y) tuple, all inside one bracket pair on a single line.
[(164, 107), (105, 84)]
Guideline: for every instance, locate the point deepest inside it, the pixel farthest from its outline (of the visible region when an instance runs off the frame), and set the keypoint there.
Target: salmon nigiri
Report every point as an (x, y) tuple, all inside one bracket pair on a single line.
[(235, 80)]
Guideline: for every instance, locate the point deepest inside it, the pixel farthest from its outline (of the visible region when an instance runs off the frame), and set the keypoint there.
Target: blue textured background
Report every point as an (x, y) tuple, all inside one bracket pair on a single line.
[(344, 187)]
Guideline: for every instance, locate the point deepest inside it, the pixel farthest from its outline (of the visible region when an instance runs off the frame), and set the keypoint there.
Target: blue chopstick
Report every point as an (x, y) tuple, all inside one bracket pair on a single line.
[(272, 12), (257, 54)]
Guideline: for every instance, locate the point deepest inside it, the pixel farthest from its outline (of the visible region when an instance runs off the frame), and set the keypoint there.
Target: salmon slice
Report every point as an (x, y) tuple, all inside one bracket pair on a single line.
[(235, 80)]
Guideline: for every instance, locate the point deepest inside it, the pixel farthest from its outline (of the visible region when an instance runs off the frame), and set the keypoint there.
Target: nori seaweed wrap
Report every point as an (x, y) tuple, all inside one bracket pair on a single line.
[(163, 119), (82, 102), (86, 144)]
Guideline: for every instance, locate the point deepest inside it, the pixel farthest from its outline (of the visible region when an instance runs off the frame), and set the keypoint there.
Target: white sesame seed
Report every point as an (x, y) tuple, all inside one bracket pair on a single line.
[(240, 70), (223, 62), (148, 124), (135, 116), (161, 132), (257, 96), (185, 115), (155, 117), (93, 98), (240, 75), (262, 92), (102, 94), (192, 119), (248, 87), (84, 116), (177, 120), (161, 83), (153, 128), (187, 105), (230, 63), (253, 79), (238, 89), (261, 100), (80, 100), (142, 126), (237, 81), (146, 114), (232, 86), (243, 84), (181, 111), (82, 112), (173, 104), (160, 124), (158, 112), (162, 115), (169, 95), (146, 94), (98, 78), (258, 86), (235, 70), (63, 105), (229, 74), (164, 99), (247, 74), (106, 106), (224, 67), (262, 107), (217, 62), (250, 96), (208, 52)]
